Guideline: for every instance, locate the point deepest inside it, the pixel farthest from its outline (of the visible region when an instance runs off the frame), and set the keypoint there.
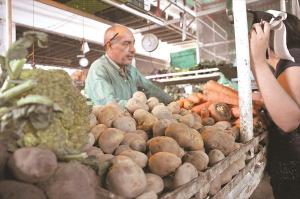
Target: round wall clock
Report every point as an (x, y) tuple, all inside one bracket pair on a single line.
[(150, 42)]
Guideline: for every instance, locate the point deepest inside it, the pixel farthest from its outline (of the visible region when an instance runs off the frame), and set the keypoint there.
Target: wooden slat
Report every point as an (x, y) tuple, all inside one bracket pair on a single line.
[(188, 190), (236, 182)]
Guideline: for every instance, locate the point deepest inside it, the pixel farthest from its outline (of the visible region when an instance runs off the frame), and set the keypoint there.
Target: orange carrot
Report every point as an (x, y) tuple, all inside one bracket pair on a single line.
[(180, 102), (214, 96), (187, 104), (200, 107), (201, 97), (215, 86), (235, 111), (193, 98), (204, 113)]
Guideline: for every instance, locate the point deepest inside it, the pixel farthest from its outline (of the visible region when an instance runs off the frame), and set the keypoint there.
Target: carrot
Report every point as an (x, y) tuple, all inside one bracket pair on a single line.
[(235, 111), (200, 96), (193, 98), (200, 107), (187, 104), (180, 102), (215, 86), (204, 113), (215, 96)]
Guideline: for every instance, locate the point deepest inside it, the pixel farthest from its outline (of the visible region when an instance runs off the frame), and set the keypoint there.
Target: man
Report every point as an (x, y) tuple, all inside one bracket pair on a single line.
[(112, 78)]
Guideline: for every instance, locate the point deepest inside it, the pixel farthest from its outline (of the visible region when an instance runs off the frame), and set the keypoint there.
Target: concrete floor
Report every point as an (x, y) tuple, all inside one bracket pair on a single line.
[(263, 190)]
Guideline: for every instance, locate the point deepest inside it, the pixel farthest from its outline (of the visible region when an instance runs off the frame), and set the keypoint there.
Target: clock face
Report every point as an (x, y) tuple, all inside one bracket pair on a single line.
[(150, 42)]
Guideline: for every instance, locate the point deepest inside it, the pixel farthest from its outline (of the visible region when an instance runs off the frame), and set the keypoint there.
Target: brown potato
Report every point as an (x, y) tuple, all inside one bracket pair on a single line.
[(163, 163), (141, 133), (162, 112), (164, 144), (159, 127), (135, 104), (135, 142), (125, 124), (10, 189), (139, 95), (32, 164), (214, 138), (154, 183), (108, 114), (145, 120), (198, 158), (125, 178), (138, 157), (97, 130), (188, 120), (152, 102), (110, 139), (215, 156), (184, 174), (174, 107)]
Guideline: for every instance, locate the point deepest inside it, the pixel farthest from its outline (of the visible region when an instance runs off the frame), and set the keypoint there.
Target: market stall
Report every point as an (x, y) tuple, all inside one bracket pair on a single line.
[(55, 144)]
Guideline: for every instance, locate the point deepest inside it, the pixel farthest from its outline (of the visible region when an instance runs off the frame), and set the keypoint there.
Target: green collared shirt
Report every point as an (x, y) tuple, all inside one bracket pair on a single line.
[(107, 82)]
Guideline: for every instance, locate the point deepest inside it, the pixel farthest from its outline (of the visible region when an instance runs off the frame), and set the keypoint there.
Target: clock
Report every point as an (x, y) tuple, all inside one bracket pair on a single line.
[(150, 42)]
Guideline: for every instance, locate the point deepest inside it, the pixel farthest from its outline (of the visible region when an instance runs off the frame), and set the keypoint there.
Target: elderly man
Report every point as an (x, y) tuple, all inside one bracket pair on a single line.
[(112, 78)]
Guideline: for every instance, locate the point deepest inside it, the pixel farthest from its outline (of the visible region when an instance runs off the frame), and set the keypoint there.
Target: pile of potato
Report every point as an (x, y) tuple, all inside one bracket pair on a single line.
[(141, 152), (153, 148)]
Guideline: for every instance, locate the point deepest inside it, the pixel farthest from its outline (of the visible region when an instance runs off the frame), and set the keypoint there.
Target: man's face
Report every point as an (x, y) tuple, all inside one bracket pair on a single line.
[(121, 49)]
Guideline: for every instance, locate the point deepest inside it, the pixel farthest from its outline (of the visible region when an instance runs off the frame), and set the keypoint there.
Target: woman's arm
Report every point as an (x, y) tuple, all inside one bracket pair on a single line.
[(281, 97)]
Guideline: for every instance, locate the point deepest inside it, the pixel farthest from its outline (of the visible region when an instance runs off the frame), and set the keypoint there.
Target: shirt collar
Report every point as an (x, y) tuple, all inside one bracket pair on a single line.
[(118, 68)]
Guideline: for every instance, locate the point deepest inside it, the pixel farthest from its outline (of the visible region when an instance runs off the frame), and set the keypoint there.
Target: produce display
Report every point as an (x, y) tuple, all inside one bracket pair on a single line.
[(53, 146)]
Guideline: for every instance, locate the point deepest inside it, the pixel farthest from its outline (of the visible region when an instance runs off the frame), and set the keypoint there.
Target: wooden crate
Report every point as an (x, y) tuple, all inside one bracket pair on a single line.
[(241, 186)]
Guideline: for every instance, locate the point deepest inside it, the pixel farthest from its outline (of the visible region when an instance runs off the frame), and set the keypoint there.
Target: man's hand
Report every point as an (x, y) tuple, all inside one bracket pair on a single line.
[(259, 43)]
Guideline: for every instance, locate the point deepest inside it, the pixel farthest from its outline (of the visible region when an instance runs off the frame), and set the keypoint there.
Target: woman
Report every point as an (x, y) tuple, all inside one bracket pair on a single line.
[(281, 95)]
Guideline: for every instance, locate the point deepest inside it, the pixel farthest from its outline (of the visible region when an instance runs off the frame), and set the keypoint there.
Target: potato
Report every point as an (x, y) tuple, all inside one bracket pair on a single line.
[(159, 127), (108, 114), (154, 183), (215, 156), (152, 102), (144, 119), (234, 132), (174, 107), (125, 123), (140, 96), (94, 151), (134, 104), (121, 148), (186, 137), (164, 144), (163, 163), (97, 130), (138, 157), (176, 117), (72, 181), (90, 142), (162, 112), (220, 111), (223, 125), (214, 138), (208, 121), (188, 120), (197, 158), (10, 189), (135, 142), (141, 133), (125, 178), (93, 120), (147, 195), (32, 164), (97, 109), (196, 141), (110, 139), (104, 157), (184, 111), (184, 174)]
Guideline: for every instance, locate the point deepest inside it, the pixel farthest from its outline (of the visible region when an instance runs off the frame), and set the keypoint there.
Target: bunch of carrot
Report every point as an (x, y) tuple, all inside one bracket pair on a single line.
[(214, 92)]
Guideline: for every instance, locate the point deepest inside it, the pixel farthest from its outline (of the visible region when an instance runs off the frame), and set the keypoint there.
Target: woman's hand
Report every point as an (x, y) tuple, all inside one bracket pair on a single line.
[(259, 43)]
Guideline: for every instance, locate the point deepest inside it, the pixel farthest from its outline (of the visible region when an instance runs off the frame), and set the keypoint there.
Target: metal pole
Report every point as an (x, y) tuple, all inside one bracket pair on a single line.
[(243, 69), (282, 5), (8, 22)]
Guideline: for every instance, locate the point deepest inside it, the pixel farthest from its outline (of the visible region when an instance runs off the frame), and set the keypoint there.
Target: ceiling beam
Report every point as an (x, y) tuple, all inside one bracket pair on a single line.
[(156, 26)]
